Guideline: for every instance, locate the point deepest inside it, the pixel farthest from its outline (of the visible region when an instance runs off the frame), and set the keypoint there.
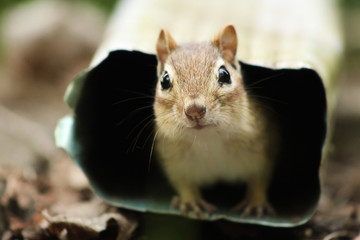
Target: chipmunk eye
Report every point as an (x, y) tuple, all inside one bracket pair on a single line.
[(224, 76), (165, 81)]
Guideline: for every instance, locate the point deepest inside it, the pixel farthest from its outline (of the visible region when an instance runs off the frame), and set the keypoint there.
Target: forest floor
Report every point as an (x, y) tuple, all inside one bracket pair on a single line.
[(38, 201)]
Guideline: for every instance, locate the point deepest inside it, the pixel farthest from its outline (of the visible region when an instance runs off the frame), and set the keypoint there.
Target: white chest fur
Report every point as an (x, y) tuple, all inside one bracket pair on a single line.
[(210, 159)]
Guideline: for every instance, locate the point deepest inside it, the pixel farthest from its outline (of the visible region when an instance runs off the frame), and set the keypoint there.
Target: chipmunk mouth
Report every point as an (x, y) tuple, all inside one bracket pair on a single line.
[(199, 127)]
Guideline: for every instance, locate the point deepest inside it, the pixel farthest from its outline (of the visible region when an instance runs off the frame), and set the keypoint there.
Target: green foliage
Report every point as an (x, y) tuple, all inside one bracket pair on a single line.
[(104, 5), (6, 4), (350, 3)]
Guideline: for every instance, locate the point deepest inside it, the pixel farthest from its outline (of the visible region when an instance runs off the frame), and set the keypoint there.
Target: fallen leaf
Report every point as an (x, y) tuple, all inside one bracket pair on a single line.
[(111, 226)]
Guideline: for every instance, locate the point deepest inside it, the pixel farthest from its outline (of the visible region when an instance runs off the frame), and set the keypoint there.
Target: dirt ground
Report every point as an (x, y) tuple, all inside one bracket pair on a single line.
[(39, 201)]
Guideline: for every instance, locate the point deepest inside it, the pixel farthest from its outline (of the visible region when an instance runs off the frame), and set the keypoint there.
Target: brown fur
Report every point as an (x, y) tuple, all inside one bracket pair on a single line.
[(184, 58), (234, 144)]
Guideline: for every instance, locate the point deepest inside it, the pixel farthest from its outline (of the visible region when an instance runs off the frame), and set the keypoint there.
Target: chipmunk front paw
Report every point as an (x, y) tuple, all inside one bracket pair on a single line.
[(198, 206), (259, 209)]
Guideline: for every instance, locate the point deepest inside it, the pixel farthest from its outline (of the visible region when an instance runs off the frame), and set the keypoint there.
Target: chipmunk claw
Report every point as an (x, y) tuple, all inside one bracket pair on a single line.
[(198, 206), (246, 208)]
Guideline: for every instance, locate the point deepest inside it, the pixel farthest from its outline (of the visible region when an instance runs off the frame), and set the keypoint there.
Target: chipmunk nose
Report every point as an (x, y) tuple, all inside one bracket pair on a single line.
[(195, 112)]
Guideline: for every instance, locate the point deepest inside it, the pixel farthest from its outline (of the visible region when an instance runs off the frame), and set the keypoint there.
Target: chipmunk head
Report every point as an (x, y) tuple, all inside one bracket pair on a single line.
[(200, 87)]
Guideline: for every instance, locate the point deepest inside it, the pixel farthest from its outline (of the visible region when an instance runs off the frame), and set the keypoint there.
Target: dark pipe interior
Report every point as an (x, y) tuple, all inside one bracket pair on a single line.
[(115, 129)]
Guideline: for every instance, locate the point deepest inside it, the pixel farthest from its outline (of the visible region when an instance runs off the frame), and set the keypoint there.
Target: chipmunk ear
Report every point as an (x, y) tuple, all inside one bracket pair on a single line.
[(165, 44), (226, 42)]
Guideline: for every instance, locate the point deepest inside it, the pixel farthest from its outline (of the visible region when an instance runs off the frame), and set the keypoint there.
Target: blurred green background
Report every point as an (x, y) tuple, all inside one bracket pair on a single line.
[(103, 5)]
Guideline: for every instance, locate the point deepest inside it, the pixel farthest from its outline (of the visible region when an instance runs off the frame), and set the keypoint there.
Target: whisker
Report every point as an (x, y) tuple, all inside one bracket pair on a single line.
[(135, 140), (133, 98), (153, 121), (264, 79), (268, 98), (151, 65), (131, 114), (146, 125), (148, 137), (138, 124), (246, 109), (152, 149), (150, 94), (193, 142), (242, 106), (140, 132)]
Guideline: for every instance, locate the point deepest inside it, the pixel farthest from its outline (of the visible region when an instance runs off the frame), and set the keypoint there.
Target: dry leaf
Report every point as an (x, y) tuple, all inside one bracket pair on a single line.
[(112, 226)]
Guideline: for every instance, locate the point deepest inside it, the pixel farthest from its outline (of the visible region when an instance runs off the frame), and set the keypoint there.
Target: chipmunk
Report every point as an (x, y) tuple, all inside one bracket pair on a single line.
[(208, 128)]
